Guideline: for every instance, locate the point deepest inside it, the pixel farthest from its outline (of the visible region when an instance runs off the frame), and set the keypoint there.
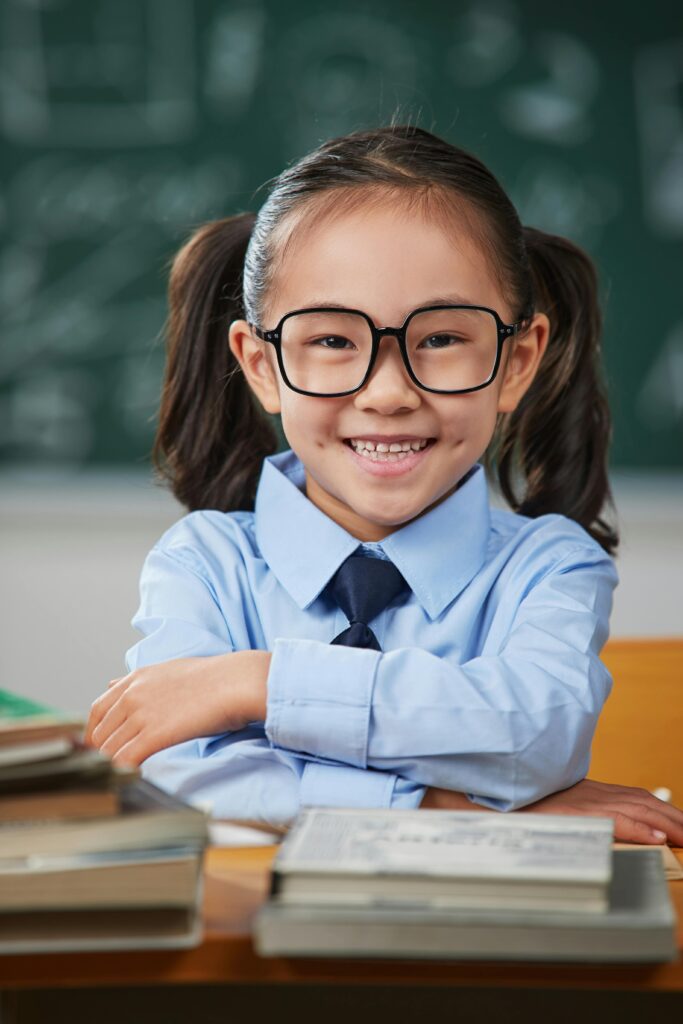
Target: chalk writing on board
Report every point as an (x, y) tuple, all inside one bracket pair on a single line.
[(335, 67), (234, 58), (71, 311), (50, 414), (658, 74), (21, 271), (62, 196), (660, 400), (576, 203), (556, 108), (137, 392), (487, 41), (137, 68)]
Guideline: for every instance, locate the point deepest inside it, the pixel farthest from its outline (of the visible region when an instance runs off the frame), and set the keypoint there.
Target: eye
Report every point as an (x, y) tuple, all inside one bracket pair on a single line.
[(321, 342), (442, 340)]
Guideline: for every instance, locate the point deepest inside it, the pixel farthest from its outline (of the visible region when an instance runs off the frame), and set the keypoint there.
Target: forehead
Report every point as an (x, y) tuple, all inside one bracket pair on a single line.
[(384, 258)]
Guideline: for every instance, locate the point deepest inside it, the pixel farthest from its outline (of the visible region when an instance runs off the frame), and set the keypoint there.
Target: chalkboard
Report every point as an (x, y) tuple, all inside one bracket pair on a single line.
[(125, 123)]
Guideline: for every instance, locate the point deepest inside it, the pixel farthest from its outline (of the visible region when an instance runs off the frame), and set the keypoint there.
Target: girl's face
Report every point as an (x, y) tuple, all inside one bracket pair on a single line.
[(387, 263)]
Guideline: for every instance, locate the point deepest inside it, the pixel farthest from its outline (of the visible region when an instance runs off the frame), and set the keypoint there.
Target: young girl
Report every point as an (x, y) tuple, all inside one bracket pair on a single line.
[(349, 622)]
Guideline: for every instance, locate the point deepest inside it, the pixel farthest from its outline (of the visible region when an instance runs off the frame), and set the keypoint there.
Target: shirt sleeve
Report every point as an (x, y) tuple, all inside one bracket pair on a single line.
[(235, 774), (506, 728)]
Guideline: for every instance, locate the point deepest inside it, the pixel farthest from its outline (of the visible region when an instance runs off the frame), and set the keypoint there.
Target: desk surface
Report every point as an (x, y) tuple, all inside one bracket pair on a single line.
[(236, 884)]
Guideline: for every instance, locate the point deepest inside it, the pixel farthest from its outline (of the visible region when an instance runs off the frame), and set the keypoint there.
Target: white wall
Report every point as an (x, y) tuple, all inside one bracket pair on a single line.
[(71, 552)]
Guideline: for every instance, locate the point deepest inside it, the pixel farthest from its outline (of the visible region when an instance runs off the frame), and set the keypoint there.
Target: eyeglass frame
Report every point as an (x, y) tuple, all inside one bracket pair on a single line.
[(505, 332)]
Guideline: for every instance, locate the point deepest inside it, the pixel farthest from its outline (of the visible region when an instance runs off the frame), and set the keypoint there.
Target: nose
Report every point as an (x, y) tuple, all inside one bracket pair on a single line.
[(389, 387)]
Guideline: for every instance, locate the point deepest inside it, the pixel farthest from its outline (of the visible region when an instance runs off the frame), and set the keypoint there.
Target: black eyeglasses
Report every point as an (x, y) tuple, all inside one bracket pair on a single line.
[(329, 352)]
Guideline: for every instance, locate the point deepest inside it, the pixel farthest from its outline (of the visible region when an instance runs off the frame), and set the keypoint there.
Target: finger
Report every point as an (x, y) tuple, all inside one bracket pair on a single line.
[(639, 824), (644, 796), (133, 753), (99, 727), (87, 732), (658, 819), (114, 743), (117, 715), (101, 705), (673, 828), (630, 830), (627, 829), (643, 806), (113, 682)]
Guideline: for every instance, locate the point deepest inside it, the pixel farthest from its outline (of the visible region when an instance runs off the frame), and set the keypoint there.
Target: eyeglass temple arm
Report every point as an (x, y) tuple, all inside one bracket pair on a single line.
[(264, 335)]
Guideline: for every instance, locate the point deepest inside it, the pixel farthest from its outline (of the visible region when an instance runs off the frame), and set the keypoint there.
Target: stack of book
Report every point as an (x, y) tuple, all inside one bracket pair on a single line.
[(464, 885), (91, 856)]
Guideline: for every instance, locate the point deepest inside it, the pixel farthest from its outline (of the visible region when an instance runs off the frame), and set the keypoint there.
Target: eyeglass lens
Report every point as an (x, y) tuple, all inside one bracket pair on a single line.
[(448, 349)]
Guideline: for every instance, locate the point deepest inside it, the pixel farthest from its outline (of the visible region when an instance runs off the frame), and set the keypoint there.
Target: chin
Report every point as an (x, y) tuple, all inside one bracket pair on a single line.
[(388, 518)]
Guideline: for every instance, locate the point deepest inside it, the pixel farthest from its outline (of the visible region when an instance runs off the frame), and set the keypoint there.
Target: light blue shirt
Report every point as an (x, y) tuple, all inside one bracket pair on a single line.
[(489, 679)]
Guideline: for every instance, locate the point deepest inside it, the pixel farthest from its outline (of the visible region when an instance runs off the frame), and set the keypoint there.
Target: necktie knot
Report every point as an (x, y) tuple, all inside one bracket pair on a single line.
[(363, 587)]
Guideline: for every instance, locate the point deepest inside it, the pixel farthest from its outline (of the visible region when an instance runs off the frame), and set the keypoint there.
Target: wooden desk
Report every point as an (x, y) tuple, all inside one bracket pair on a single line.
[(225, 972)]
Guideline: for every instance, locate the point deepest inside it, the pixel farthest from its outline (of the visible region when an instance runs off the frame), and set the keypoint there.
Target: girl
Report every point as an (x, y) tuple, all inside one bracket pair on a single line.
[(264, 681)]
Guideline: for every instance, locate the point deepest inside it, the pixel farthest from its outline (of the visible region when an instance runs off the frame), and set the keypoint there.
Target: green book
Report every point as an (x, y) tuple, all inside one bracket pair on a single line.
[(41, 747), (23, 719), (13, 706)]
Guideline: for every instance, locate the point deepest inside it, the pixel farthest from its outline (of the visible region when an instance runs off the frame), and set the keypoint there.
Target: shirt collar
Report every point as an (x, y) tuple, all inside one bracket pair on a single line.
[(438, 553)]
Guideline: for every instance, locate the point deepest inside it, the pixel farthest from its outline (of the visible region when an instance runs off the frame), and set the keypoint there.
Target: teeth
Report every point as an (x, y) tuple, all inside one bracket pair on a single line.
[(395, 448), (382, 452)]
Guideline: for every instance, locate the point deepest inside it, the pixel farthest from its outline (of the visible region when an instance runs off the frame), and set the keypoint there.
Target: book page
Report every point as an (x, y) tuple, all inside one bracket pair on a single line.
[(450, 843)]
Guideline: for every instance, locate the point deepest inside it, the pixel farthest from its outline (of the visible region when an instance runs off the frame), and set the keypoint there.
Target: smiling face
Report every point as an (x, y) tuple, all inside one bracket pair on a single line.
[(386, 262)]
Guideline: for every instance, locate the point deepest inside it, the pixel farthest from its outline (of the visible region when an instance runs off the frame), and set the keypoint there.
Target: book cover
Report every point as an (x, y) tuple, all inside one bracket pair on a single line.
[(147, 817), (23, 720), (151, 878)]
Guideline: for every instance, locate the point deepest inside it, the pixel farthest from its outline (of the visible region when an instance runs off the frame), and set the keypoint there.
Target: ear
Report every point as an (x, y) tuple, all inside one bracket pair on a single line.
[(258, 364), (522, 362)]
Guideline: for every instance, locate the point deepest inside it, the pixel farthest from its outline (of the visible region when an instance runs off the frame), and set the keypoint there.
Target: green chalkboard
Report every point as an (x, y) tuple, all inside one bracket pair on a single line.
[(125, 123)]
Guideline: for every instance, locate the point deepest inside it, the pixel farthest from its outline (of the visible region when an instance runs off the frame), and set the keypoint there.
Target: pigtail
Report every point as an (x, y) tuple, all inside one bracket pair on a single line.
[(557, 439), (211, 437)]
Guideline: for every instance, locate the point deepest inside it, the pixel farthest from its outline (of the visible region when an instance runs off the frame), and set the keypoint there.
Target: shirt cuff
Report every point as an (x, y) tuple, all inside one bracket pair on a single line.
[(407, 794), (494, 803), (324, 785), (319, 699)]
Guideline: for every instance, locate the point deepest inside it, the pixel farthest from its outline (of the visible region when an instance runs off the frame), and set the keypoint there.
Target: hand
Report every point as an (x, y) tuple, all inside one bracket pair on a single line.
[(636, 812), (160, 705)]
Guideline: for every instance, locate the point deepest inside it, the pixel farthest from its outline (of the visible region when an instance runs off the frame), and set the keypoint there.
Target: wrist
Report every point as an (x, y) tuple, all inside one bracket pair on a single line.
[(251, 678), (448, 800)]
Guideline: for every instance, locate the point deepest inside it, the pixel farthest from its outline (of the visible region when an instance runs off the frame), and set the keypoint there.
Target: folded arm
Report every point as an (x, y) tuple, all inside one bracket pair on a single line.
[(241, 774), (507, 728), (234, 771)]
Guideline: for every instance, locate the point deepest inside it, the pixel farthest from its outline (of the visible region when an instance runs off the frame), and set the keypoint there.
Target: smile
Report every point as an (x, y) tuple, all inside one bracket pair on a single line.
[(388, 458)]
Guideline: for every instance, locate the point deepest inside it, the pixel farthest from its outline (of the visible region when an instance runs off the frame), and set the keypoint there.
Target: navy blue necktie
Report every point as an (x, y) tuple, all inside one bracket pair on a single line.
[(362, 587)]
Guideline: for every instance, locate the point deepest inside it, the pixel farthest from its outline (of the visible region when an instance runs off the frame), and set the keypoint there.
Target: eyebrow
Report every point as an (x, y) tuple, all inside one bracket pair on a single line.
[(439, 300)]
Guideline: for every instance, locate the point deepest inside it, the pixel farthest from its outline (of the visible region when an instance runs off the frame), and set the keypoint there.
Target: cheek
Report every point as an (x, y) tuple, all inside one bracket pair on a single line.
[(469, 415), (313, 421)]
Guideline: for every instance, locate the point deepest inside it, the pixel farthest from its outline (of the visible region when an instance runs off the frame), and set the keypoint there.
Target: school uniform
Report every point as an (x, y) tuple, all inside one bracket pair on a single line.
[(489, 679)]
